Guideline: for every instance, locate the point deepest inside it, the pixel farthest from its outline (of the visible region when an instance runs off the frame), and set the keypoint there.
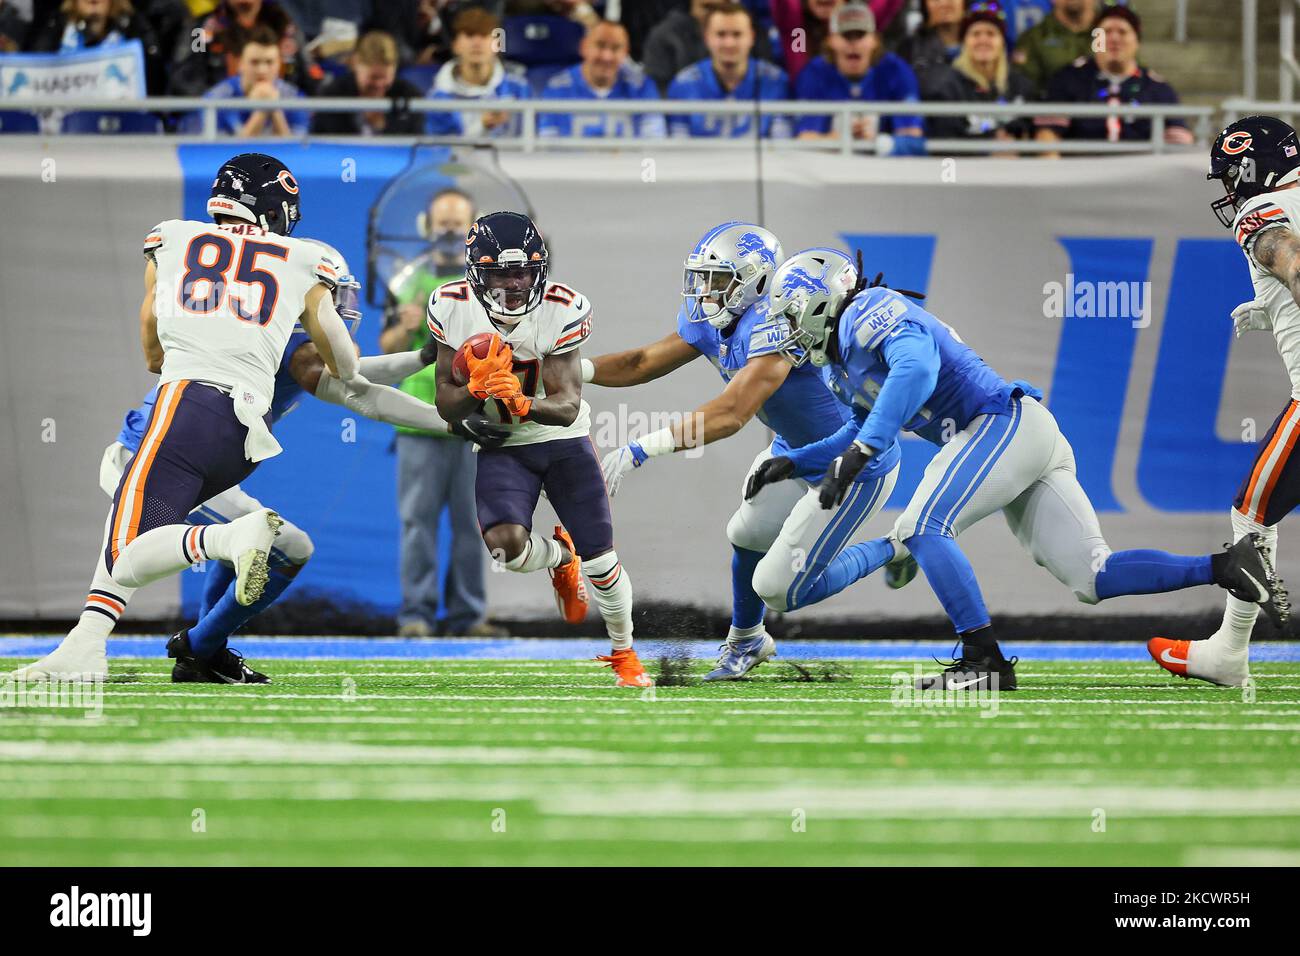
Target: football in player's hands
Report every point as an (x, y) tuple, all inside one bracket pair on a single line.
[(483, 347)]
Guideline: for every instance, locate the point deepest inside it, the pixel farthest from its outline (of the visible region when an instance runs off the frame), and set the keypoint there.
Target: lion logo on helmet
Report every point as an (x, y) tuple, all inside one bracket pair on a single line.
[(752, 242)]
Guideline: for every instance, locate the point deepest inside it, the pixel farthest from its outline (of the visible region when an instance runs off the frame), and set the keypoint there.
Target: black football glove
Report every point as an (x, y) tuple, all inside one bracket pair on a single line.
[(841, 474), (481, 430), (429, 354), (771, 471)]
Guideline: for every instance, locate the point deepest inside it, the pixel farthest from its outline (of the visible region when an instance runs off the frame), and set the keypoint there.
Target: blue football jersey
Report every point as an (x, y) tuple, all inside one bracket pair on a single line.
[(891, 80), (632, 84), (964, 385), (285, 399), (699, 82), (802, 410)]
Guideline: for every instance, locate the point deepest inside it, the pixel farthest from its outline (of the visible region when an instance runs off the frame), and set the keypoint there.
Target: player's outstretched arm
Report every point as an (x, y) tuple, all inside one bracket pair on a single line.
[(1278, 250), (370, 399), (329, 333), (153, 351), (716, 419), (639, 365), (454, 401)]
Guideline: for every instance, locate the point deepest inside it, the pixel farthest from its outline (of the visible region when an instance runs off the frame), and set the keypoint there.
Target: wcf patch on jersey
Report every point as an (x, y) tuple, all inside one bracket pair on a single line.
[(880, 318)]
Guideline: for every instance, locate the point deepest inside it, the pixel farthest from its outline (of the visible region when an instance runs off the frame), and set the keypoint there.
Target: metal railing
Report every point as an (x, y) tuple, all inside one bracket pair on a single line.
[(530, 140)]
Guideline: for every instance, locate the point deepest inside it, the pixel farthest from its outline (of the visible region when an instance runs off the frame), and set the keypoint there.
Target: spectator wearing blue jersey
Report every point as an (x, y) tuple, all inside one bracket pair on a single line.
[(730, 73), (258, 78), (857, 67), (476, 73), (605, 73)]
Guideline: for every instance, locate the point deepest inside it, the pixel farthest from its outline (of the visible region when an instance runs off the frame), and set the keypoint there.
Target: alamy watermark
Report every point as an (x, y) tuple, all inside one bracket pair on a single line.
[(59, 692), (1085, 299)]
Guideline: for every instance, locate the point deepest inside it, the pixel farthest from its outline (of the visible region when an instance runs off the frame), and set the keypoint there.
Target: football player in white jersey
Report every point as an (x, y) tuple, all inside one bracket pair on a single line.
[(221, 301), (1257, 159), (530, 380), (82, 653)]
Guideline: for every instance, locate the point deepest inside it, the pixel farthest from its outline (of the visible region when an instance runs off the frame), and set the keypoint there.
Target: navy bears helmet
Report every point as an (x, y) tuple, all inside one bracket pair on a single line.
[(256, 188), (506, 263), (1254, 155)]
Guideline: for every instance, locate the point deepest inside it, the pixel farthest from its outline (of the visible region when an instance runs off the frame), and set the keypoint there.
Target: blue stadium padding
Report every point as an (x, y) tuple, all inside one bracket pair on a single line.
[(420, 75), (16, 121), (534, 40), (350, 508), (526, 648), (90, 121)]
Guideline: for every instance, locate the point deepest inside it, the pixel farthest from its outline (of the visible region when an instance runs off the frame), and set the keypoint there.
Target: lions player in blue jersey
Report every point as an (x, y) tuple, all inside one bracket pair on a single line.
[(200, 651), (725, 319), (899, 367)]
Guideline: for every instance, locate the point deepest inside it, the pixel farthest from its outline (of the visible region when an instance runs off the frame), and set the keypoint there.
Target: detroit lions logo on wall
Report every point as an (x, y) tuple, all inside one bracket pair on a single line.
[(752, 242)]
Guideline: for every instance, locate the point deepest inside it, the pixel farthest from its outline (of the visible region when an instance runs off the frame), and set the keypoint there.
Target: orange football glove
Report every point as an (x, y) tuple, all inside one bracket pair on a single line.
[(504, 387), (499, 359)]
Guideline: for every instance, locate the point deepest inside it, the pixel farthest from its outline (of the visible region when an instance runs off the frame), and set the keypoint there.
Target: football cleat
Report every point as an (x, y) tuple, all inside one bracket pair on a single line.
[(78, 657), (1202, 660), (570, 589), (741, 656), (974, 673), (250, 544), (628, 667), (1250, 577), (224, 667)]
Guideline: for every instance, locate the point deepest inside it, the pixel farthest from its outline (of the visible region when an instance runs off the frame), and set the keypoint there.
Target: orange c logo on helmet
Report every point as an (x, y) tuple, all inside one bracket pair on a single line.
[(1237, 142), (471, 235), (288, 182)]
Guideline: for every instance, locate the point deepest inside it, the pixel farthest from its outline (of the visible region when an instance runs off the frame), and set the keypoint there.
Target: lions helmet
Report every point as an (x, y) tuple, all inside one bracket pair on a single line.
[(1254, 155), (506, 264), (809, 291), (347, 289), (256, 188), (729, 270)]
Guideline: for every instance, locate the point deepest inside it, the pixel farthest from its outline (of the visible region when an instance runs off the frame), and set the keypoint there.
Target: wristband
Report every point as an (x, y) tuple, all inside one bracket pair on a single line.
[(657, 443)]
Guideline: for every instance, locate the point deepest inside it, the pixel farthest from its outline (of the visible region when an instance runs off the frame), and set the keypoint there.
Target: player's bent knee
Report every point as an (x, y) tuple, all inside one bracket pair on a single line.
[(772, 578), (742, 534), (505, 542)]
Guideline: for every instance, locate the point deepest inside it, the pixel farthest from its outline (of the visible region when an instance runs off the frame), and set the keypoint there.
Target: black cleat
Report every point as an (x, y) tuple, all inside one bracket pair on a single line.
[(1247, 573), (988, 673), (224, 667)]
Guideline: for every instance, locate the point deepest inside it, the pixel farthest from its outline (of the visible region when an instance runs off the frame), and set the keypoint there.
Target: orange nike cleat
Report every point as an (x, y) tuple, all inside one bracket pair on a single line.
[(570, 589), (1169, 654), (628, 668)]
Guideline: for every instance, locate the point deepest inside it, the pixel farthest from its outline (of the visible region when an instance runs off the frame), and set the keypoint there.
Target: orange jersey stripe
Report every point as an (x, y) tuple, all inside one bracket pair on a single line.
[(1262, 464)]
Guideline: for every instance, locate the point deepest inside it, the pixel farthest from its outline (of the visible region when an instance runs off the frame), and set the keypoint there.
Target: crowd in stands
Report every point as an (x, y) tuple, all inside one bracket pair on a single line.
[(894, 51)]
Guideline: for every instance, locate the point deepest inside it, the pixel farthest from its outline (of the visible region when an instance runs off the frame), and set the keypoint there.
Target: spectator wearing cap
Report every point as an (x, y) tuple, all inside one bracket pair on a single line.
[(373, 75), (858, 67), (804, 25), (213, 54), (981, 73), (1113, 76), (476, 73), (1056, 41), (605, 73), (729, 73), (258, 78), (937, 43)]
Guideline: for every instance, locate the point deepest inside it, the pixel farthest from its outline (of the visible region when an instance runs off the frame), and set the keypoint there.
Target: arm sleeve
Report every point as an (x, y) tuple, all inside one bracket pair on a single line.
[(913, 359), (816, 458), (336, 333), (379, 403), (390, 369)]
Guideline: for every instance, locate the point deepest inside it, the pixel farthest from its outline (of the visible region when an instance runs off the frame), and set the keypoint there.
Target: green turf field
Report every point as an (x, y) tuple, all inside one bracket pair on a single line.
[(517, 762)]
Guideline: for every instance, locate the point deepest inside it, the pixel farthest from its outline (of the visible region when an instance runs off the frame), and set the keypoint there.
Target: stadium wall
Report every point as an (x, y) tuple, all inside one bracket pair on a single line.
[(1158, 400)]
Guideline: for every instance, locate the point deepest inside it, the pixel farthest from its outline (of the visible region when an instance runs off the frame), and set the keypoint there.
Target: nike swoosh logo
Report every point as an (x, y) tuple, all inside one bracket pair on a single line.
[(1263, 591), (964, 684), (1167, 656)]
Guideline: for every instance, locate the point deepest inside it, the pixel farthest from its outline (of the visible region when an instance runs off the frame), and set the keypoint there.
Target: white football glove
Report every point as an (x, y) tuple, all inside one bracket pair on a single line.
[(1250, 317), (619, 462)]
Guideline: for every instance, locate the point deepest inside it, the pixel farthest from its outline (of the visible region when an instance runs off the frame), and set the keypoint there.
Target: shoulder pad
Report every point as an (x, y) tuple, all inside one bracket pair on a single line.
[(877, 316), (154, 239), (1257, 215)]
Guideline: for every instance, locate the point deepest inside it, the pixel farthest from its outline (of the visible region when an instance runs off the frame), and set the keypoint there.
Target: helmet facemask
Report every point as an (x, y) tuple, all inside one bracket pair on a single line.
[(511, 287), (711, 293), (809, 329), (1231, 176)]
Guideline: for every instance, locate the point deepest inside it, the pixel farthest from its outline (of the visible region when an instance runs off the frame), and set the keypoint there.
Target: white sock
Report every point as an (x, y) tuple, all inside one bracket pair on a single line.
[(1239, 616), (613, 592), (744, 633), (538, 553), (168, 549), (104, 605)]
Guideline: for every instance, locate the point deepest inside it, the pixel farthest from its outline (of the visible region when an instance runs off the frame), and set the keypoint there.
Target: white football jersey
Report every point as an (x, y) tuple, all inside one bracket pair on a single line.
[(559, 324), (227, 298), (1270, 210)]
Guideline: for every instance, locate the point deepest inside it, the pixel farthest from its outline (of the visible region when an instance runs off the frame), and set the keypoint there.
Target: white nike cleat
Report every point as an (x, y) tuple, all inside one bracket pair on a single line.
[(251, 538), (78, 657), (739, 657), (1204, 660)]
